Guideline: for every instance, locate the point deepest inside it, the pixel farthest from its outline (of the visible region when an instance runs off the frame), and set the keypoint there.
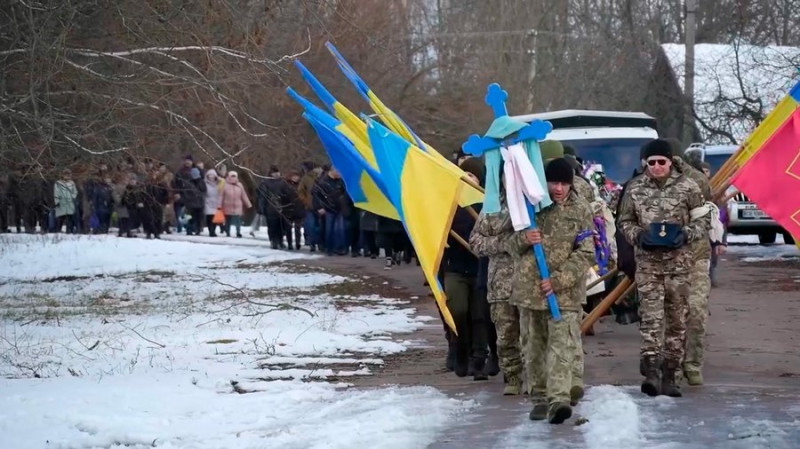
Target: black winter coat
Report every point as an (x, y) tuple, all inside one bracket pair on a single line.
[(190, 190), (272, 198), (295, 208), (458, 259), (330, 194)]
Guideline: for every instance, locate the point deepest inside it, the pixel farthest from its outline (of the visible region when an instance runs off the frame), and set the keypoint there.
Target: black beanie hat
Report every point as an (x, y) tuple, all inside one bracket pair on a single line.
[(473, 165), (657, 147), (559, 170)]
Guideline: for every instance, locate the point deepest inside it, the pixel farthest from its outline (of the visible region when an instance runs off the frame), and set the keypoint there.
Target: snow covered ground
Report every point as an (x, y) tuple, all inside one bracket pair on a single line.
[(747, 247), (109, 342)]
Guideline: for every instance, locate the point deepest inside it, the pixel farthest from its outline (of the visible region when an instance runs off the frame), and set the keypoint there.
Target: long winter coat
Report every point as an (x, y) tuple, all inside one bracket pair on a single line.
[(117, 192), (64, 194), (233, 199), (212, 197), (272, 197)]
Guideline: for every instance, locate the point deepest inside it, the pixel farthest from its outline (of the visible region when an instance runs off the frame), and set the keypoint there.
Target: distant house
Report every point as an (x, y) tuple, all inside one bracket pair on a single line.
[(736, 86)]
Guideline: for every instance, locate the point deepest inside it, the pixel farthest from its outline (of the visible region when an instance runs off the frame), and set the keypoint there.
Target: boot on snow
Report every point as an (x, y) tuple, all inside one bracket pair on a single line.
[(668, 386), (539, 412), (652, 382), (558, 412), (575, 395)]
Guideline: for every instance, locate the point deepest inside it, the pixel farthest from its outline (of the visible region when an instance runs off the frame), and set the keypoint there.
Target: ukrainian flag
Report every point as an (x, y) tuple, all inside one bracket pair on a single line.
[(471, 194), (425, 197), (360, 179)]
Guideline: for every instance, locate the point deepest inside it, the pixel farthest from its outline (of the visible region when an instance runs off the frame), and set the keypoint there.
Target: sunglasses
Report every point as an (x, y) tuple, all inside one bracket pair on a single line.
[(653, 162)]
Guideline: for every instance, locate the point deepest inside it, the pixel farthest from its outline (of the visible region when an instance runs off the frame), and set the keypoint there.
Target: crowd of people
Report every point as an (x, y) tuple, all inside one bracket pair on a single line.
[(661, 230), (306, 207)]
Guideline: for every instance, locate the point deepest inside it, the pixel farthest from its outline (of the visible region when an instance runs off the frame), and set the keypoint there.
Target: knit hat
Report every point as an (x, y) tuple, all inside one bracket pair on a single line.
[(551, 149), (657, 147), (188, 157), (308, 166), (559, 170), (273, 169), (473, 165)]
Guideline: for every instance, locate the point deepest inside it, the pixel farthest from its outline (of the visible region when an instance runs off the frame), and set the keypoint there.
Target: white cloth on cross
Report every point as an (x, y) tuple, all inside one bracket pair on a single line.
[(521, 183)]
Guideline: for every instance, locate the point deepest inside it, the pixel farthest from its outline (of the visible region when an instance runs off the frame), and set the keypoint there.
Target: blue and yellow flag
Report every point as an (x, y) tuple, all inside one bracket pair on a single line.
[(470, 194), (360, 179), (425, 197)]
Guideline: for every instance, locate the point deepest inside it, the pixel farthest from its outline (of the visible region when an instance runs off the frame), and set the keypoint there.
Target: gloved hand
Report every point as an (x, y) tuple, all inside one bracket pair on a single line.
[(680, 239)]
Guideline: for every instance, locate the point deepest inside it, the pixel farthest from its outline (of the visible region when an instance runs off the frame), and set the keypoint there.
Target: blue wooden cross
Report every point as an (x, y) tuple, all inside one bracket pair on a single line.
[(489, 147)]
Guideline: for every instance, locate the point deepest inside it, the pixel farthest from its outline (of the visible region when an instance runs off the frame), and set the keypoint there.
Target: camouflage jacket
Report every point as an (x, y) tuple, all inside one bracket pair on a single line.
[(647, 201), (583, 189), (701, 248), (567, 261), (488, 238)]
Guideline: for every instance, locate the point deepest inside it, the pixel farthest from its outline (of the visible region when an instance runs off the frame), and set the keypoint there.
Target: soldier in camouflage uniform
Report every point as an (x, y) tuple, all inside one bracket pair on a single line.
[(488, 240), (564, 231), (662, 197), (699, 288), (552, 150)]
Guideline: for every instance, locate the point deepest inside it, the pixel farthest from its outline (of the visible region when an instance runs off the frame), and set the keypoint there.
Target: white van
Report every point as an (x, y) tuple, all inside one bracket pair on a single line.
[(609, 138)]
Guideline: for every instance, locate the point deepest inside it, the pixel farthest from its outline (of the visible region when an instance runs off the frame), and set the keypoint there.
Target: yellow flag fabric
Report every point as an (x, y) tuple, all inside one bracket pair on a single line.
[(425, 196)]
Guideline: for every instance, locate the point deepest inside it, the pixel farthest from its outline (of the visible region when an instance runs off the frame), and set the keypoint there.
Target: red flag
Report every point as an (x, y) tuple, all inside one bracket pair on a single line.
[(771, 178)]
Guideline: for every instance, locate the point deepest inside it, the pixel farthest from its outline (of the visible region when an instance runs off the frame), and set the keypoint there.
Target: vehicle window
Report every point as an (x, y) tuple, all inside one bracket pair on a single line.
[(716, 161), (618, 156)]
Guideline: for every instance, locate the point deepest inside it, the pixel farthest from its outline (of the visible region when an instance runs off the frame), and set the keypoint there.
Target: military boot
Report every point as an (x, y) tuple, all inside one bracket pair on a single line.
[(694, 378), (668, 386), (450, 361), (513, 386), (558, 412), (493, 366), (575, 395), (652, 382), (539, 412), (478, 365)]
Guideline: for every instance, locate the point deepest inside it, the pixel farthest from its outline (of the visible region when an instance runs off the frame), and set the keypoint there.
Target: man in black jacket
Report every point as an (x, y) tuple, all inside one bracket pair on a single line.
[(272, 196), (330, 201), (466, 302), (189, 189)]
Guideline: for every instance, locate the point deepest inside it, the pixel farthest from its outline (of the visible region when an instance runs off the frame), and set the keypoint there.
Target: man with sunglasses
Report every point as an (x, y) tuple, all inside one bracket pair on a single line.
[(655, 218)]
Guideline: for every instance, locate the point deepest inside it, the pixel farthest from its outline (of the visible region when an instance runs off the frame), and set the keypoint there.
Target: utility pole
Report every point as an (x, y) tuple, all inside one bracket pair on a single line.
[(688, 83), (532, 35)]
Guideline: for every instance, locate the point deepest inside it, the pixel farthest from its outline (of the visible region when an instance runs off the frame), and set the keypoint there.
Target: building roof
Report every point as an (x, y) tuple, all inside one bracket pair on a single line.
[(733, 79)]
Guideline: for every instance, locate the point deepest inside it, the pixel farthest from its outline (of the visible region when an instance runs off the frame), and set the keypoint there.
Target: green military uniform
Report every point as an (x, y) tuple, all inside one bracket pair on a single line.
[(583, 189), (548, 345), (551, 150), (699, 287), (662, 275), (488, 239)]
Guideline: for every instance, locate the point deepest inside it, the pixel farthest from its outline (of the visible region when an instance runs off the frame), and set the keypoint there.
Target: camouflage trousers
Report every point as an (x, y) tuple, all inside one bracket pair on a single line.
[(549, 353), (577, 362), (506, 320), (699, 290), (663, 309)]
